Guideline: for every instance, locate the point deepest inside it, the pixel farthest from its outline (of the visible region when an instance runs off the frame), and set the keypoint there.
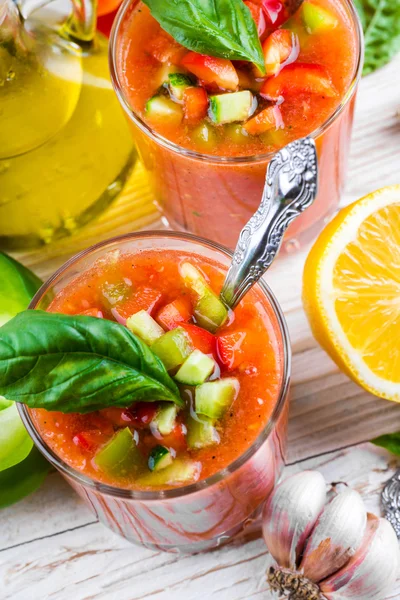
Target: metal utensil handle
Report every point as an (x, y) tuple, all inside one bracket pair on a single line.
[(290, 187), (391, 502)]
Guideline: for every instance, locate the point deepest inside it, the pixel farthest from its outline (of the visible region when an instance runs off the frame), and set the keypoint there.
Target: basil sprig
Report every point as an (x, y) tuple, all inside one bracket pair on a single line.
[(78, 364), (222, 28), (390, 441)]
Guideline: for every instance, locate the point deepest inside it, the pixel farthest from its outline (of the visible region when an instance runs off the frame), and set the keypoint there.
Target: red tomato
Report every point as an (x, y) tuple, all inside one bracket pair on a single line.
[(143, 412), (173, 314), (275, 12), (165, 49), (90, 440), (176, 439), (144, 298), (269, 118), (195, 104), (212, 70), (92, 312), (201, 339), (106, 6), (258, 15), (278, 48), (297, 78), (230, 350)]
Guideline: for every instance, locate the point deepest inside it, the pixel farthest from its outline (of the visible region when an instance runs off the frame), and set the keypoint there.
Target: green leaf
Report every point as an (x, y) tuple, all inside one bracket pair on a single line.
[(23, 479), (78, 364), (15, 443), (222, 28), (17, 287), (381, 24), (391, 442)]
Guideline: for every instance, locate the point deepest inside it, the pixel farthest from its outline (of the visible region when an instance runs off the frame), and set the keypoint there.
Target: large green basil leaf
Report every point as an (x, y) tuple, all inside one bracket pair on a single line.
[(15, 443), (223, 28), (78, 364), (17, 286), (391, 442), (381, 24), (23, 479)]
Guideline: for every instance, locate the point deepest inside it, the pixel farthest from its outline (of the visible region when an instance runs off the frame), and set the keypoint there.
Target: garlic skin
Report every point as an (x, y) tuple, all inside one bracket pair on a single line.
[(371, 572), (336, 537), (290, 515)]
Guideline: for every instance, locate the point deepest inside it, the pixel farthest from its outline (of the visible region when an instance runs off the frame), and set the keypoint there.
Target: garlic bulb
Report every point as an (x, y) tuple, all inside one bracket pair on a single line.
[(290, 515), (335, 552)]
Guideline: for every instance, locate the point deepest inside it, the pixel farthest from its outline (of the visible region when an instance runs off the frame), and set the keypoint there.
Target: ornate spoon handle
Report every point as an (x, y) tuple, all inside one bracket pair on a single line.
[(391, 502), (290, 187)]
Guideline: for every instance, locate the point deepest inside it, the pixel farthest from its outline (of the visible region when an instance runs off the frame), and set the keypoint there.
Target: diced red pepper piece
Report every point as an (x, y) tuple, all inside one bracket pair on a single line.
[(143, 413), (173, 314), (258, 15), (269, 118), (144, 298), (176, 439), (277, 49), (90, 440), (165, 49), (93, 312), (297, 78), (201, 339), (275, 12), (212, 70), (195, 104), (230, 349)]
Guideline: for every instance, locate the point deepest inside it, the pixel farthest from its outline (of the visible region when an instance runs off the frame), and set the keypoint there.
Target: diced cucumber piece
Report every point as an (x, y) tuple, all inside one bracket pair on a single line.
[(159, 458), (143, 325), (160, 109), (215, 397), (178, 82), (316, 19), (193, 278), (120, 456), (201, 433), (237, 134), (228, 108), (204, 136), (196, 369), (180, 472), (162, 77), (173, 347), (165, 419), (210, 312)]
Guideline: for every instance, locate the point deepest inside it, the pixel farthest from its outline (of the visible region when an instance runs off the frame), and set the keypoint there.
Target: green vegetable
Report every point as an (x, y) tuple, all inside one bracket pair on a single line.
[(201, 433), (178, 84), (165, 419), (23, 479), (160, 458), (196, 369), (162, 109), (173, 347), (381, 24), (78, 364), (143, 325), (17, 287), (205, 136), (15, 443), (391, 442), (228, 108), (213, 398), (181, 471), (224, 29), (316, 19), (120, 456)]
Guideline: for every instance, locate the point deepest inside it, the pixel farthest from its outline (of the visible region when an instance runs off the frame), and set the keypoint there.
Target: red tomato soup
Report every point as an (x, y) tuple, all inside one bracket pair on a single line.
[(153, 445), (220, 108)]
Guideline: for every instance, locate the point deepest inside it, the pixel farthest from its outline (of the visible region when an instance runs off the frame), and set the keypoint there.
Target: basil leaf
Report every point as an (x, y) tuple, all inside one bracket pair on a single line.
[(381, 24), (23, 479), (78, 364), (17, 286), (222, 28), (390, 441), (15, 443)]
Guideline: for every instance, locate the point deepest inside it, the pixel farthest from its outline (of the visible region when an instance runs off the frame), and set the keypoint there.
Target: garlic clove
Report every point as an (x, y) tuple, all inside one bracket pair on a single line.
[(371, 572), (290, 515), (336, 537)]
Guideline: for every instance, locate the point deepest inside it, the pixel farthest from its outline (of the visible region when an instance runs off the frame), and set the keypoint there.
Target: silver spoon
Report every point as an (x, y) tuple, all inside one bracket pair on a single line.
[(391, 502), (290, 188)]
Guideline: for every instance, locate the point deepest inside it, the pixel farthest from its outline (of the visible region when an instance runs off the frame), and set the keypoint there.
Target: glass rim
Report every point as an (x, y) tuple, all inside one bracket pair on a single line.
[(222, 474), (168, 144)]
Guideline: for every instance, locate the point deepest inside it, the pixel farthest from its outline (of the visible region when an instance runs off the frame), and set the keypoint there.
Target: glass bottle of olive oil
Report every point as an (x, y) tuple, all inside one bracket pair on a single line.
[(65, 147)]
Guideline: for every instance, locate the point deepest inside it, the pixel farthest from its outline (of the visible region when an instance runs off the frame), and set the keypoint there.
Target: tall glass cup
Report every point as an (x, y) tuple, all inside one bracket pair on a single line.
[(205, 514), (214, 196)]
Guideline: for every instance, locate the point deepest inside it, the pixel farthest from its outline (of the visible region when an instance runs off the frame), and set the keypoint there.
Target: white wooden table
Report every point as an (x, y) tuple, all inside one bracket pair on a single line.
[(52, 548)]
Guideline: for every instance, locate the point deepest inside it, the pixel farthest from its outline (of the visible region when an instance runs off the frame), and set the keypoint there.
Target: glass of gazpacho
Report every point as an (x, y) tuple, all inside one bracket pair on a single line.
[(174, 476), (206, 127)]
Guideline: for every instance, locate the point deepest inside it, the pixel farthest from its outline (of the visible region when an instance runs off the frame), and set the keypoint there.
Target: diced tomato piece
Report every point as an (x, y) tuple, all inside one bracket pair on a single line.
[(90, 440), (93, 312), (298, 78), (258, 15), (269, 118), (212, 70), (277, 49), (173, 314), (144, 298), (201, 339), (195, 104), (275, 12), (176, 439), (230, 350), (165, 49), (143, 413)]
